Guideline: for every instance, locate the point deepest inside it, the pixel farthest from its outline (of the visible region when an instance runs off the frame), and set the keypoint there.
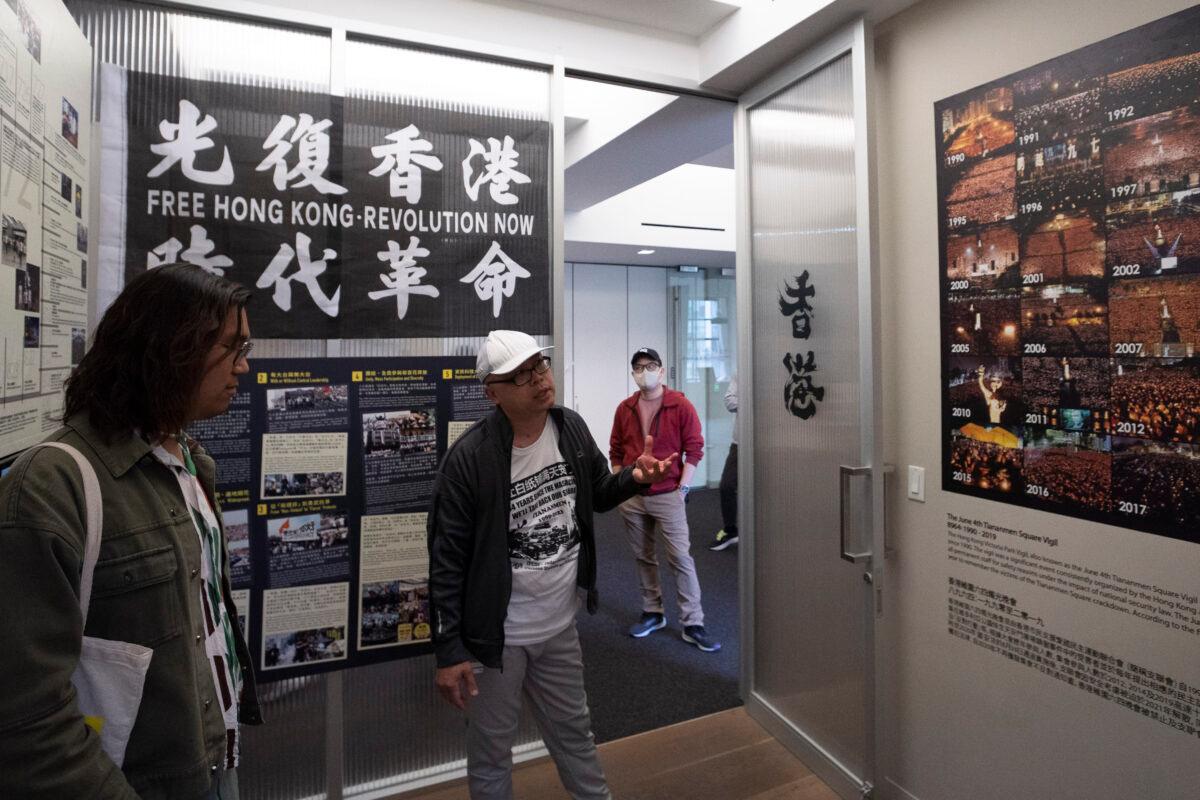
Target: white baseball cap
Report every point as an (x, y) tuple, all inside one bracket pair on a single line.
[(504, 351)]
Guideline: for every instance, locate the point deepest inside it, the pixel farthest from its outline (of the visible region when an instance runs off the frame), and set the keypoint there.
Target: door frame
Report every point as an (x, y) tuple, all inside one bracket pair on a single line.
[(856, 39)]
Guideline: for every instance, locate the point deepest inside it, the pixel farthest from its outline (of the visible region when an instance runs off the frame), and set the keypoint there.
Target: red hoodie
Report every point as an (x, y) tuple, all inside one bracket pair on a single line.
[(675, 428)]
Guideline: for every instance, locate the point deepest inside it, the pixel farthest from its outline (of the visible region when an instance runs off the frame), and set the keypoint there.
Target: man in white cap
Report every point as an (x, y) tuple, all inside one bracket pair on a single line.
[(511, 552)]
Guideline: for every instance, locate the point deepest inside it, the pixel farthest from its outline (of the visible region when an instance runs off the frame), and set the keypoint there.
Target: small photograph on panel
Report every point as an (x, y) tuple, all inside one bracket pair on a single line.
[(985, 391), (985, 257), (1157, 483), (1062, 175), (1153, 154), (303, 647), (976, 124), (33, 332), (1062, 246), (237, 537), (400, 433), (1068, 393), (1155, 317), (983, 323), (14, 242), (1057, 101), (394, 612), (1154, 235), (1155, 67), (986, 459), (66, 187), (29, 28), (296, 409), (1064, 319), (28, 289), (982, 193), (325, 397), (303, 484), (307, 532), (1157, 399), (1068, 468), (81, 237), (70, 122), (78, 201), (78, 345)]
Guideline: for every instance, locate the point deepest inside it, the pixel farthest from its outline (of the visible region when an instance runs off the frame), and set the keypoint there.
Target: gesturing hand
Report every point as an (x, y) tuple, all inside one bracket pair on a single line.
[(647, 468)]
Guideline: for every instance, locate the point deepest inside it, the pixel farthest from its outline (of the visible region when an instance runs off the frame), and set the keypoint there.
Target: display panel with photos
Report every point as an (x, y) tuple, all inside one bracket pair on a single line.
[(325, 469), (1069, 229)]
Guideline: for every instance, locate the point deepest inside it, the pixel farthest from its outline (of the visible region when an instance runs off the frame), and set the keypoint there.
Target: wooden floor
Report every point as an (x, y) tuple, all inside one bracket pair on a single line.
[(725, 756)]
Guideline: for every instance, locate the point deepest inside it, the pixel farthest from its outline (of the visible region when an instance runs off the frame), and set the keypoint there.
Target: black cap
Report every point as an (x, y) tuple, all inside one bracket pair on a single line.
[(645, 352)]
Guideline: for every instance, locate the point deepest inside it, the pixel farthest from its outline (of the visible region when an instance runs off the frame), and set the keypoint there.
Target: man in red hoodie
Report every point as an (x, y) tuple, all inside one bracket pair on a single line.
[(671, 419)]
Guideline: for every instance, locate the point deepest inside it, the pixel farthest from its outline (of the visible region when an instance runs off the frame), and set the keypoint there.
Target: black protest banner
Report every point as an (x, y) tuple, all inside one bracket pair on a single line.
[(351, 217)]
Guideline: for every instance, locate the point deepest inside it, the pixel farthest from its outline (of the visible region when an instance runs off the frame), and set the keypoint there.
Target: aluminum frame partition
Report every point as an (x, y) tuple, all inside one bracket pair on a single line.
[(854, 40)]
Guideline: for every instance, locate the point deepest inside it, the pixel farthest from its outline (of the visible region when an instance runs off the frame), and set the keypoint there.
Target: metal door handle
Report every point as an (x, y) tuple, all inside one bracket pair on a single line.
[(844, 475)]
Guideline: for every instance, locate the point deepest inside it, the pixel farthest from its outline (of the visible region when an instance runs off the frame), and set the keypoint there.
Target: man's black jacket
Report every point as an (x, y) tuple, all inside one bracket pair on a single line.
[(470, 578)]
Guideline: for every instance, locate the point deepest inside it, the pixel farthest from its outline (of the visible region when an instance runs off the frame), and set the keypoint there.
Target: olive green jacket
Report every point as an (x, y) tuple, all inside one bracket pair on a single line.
[(146, 590)]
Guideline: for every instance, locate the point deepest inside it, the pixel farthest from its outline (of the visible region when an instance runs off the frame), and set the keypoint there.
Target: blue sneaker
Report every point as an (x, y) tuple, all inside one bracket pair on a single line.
[(695, 634), (648, 624)]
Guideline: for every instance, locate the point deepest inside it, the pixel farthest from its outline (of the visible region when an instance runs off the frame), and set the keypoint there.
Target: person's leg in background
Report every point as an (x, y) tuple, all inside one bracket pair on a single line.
[(728, 535), (670, 511), (639, 525)]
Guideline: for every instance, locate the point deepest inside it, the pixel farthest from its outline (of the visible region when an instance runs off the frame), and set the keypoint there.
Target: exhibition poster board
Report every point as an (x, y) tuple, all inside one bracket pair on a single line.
[(45, 139), (1069, 223), (324, 472)]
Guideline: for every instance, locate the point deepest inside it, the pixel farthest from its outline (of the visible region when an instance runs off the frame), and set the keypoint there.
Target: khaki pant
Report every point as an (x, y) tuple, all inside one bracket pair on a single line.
[(641, 513)]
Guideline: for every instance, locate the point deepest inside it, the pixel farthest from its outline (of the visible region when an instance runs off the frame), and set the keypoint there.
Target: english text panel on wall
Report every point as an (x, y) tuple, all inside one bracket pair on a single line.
[(1069, 222)]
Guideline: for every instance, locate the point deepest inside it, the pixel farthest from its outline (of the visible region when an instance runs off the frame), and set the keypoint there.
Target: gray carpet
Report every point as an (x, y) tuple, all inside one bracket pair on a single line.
[(637, 685)]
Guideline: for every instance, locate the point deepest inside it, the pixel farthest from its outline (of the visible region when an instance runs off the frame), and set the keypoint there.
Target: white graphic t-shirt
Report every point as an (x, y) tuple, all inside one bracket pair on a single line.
[(543, 542)]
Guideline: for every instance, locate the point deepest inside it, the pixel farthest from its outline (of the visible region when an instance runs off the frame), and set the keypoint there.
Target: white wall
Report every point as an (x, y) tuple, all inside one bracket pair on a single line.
[(611, 311), (689, 195), (585, 42), (968, 723)]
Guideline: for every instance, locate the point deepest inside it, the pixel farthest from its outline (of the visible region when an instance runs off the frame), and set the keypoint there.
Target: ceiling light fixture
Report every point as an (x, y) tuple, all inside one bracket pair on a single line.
[(645, 252)]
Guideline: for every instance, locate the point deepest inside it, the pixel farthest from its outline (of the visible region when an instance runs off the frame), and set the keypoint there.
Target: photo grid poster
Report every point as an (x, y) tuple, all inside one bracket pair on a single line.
[(324, 472), (45, 138), (1069, 222), (352, 217)]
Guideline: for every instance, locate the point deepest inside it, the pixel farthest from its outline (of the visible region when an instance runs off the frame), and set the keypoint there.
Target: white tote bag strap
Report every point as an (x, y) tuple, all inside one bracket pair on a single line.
[(95, 522)]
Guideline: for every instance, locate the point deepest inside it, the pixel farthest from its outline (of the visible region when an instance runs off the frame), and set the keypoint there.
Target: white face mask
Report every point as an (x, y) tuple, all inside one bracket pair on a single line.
[(647, 380)]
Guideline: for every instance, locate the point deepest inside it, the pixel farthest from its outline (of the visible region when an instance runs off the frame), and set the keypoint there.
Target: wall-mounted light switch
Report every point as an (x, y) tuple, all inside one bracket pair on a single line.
[(916, 483)]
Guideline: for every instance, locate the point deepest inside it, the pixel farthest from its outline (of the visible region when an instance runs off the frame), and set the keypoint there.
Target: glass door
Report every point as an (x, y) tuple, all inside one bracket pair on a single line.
[(811, 474)]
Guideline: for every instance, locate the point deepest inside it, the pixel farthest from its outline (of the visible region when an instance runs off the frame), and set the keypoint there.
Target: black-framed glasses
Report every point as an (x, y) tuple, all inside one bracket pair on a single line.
[(651, 367), (523, 376)]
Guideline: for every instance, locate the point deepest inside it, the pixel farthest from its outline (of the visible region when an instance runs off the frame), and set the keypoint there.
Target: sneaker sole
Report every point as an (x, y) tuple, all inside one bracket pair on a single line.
[(699, 646), (723, 545), (648, 631)]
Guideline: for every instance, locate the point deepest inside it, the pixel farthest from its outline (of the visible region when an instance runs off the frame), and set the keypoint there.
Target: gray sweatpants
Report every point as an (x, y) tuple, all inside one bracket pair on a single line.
[(550, 676)]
